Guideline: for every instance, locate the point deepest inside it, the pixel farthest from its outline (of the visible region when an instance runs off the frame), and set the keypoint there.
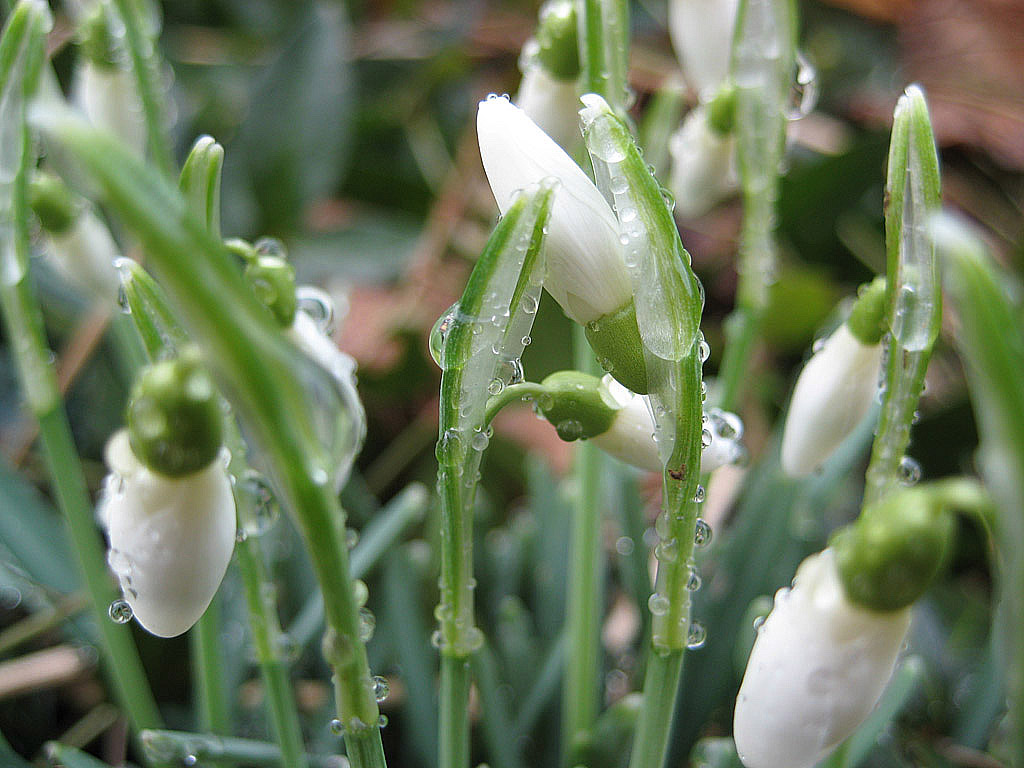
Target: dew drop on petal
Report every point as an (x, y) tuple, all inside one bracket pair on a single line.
[(120, 612)]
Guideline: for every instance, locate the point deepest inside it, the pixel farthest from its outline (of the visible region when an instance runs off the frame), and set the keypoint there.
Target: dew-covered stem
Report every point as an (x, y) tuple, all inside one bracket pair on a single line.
[(763, 60), (21, 57), (477, 344), (669, 302), (915, 303), (174, 747), (285, 410)]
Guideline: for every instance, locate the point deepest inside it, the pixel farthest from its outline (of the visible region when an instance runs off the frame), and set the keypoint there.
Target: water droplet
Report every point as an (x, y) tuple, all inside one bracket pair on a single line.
[(803, 96), (495, 387), (909, 471), (359, 592), (120, 612), (336, 727), (262, 510), (699, 495), (624, 546), (190, 760), (706, 438), (703, 350), (480, 440), (658, 604), (318, 305), (381, 689), (696, 636), (351, 537), (702, 533), (122, 300), (569, 430), (439, 334), (694, 581), (382, 721), (526, 341), (667, 550), (367, 624), (437, 639)]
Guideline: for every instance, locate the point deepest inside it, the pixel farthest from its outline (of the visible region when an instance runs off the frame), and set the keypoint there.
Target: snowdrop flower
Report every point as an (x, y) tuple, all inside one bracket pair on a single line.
[(836, 388), (701, 32), (703, 165), (585, 271), (550, 67), (817, 669), (167, 506), (80, 245), (620, 422)]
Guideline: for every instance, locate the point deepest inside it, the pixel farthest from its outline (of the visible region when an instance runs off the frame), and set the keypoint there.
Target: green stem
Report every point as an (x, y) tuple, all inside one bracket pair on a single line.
[(242, 344), (266, 638), (661, 683), (207, 666), (42, 621), (585, 598), (741, 330), (24, 323), (454, 719), (174, 747), (604, 49), (146, 66), (513, 393)]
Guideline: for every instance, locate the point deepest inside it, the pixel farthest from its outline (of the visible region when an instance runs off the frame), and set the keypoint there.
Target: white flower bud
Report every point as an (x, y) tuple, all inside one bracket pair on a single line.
[(342, 368), (107, 96), (84, 254), (703, 165), (701, 32), (585, 271), (550, 103), (170, 537), (833, 393), (630, 438), (817, 669)]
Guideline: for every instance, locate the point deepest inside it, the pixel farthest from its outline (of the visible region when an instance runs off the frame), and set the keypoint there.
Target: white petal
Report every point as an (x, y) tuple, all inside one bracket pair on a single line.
[(630, 438), (85, 255), (701, 32), (108, 98), (551, 104), (817, 669), (585, 270), (834, 391), (170, 542), (703, 165)]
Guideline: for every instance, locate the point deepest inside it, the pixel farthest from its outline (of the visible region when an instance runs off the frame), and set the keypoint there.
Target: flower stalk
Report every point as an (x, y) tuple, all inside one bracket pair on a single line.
[(478, 344), (243, 343), (21, 57)]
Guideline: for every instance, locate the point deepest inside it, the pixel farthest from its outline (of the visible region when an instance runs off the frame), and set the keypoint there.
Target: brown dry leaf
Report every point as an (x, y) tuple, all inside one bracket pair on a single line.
[(969, 57)]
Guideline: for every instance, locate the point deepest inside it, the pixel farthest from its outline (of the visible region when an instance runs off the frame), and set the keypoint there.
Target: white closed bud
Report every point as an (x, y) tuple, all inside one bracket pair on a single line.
[(833, 393), (703, 165), (550, 103), (701, 32), (171, 538), (107, 96), (818, 667), (630, 438), (586, 273), (309, 337), (84, 254)]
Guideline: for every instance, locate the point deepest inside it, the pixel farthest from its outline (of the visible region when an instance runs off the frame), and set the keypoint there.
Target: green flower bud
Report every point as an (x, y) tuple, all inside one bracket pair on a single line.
[(558, 50), (577, 405), (721, 112), (867, 318), (891, 554), (174, 417), (273, 280), (52, 202), (615, 339), (98, 43)]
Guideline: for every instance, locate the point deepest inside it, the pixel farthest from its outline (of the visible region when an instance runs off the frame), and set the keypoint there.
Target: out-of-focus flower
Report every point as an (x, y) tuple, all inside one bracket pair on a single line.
[(834, 391), (817, 669), (703, 165), (585, 271), (167, 505), (701, 32)]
